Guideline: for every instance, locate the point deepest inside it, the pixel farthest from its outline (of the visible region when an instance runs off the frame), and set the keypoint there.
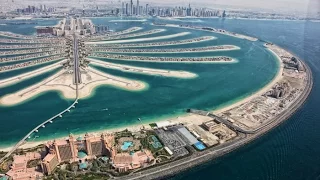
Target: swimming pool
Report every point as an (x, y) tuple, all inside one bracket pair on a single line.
[(199, 146), (126, 145)]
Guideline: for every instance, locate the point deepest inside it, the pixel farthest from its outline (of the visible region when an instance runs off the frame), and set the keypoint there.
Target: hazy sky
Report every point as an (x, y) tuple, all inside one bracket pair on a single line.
[(300, 5), (276, 5)]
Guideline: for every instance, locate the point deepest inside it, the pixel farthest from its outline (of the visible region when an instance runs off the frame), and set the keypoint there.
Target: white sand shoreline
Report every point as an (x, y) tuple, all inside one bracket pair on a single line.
[(183, 118), (141, 39)]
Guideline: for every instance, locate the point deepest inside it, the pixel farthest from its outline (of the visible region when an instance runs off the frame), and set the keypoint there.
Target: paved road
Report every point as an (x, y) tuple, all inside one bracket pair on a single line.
[(77, 74)]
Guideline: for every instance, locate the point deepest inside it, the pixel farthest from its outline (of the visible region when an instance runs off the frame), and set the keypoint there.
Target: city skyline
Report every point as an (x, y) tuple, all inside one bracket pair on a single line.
[(303, 6)]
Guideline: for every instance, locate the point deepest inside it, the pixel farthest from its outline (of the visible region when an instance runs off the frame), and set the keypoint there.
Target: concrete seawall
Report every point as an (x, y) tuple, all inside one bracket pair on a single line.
[(169, 169)]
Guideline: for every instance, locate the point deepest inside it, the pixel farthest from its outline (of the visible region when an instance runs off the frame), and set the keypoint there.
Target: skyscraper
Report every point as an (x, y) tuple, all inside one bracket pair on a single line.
[(137, 11), (127, 9), (123, 10), (147, 9), (131, 7)]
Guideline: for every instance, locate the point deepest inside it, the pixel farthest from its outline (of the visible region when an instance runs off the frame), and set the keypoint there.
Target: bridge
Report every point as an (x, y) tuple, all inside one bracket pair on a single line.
[(77, 80), (36, 129)]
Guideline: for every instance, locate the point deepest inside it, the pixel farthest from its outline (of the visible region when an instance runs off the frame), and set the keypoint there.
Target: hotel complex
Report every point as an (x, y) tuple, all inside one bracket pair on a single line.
[(82, 149), (177, 143)]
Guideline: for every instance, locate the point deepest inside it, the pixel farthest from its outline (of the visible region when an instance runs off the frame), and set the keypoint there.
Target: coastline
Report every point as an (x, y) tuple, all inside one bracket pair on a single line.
[(141, 39), (172, 168), (62, 83), (227, 33), (173, 119)]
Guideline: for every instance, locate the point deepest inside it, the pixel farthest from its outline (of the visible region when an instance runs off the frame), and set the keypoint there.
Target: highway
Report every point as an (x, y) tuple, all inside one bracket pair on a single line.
[(77, 74)]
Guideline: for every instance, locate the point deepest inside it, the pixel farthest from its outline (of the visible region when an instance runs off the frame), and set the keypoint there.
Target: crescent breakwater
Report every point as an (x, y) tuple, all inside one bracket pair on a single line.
[(177, 50), (169, 169), (105, 38), (166, 170), (167, 43), (30, 63), (183, 141), (60, 52), (164, 59)]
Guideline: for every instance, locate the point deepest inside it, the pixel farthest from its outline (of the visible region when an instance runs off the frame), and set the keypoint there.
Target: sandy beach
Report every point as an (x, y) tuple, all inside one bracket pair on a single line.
[(186, 118), (267, 87), (140, 70), (101, 78), (241, 36), (63, 82), (141, 39), (21, 77)]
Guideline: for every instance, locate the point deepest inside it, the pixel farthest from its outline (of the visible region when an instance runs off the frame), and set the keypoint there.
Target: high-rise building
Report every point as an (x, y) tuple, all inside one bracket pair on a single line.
[(189, 10), (134, 10), (147, 9), (131, 7), (127, 9), (224, 14), (72, 149), (123, 10), (138, 6), (50, 162)]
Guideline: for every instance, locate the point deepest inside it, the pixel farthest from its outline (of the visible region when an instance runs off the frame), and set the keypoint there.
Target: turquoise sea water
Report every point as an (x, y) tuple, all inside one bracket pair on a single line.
[(217, 85), (290, 151)]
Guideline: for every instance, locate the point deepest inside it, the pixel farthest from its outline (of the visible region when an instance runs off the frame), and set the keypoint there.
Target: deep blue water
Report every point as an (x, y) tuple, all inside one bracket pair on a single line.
[(290, 151)]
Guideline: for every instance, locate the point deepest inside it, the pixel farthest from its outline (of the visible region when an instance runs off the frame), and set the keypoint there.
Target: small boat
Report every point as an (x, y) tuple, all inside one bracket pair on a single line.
[(139, 119), (106, 109)]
